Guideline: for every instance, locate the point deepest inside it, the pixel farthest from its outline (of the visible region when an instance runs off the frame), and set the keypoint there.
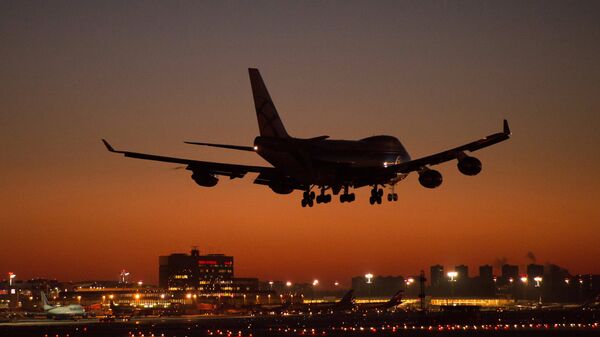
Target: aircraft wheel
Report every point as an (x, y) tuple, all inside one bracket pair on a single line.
[(378, 200), (352, 197), (342, 198), (390, 197), (303, 202), (319, 199), (372, 200), (310, 203), (328, 198), (312, 194), (395, 197), (380, 192)]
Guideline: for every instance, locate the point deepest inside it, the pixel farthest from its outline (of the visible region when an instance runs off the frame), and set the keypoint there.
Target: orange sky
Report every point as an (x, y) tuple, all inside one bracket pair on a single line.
[(148, 76)]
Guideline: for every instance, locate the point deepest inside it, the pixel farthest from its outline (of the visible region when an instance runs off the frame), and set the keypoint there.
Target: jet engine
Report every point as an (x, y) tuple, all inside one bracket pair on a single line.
[(430, 178), (281, 187), (469, 166), (205, 179)]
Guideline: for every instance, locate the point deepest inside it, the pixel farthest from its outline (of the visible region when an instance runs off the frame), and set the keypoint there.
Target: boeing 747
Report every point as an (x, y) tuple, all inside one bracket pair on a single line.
[(324, 164)]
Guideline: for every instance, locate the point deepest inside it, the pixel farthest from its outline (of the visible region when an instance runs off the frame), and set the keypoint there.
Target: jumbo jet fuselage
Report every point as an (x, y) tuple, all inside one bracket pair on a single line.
[(324, 161)]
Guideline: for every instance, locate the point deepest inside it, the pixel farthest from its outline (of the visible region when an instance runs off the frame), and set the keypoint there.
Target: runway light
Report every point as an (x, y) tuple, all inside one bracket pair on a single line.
[(255, 148)]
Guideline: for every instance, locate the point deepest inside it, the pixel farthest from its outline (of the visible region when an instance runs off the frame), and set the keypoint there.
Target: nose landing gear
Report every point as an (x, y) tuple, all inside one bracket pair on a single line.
[(307, 198), (376, 195)]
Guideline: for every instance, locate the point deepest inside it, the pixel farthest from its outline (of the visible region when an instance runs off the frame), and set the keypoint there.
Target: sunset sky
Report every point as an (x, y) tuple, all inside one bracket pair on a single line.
[(147, 75)]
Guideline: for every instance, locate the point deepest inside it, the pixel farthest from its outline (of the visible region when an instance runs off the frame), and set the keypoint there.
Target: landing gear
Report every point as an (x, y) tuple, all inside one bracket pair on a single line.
[(322, 197), (376, 195), (392, 196), (307, 198), (347, 197)]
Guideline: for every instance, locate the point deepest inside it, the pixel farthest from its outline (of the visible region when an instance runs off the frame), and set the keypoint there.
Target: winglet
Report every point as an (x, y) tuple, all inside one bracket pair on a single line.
[(506, 129), (108, 147)]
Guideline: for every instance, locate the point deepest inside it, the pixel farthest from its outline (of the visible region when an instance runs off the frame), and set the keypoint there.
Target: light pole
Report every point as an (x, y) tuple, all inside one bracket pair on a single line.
[(538, 281), (315, 284), (452, 275), (369, 277), (524, 280)]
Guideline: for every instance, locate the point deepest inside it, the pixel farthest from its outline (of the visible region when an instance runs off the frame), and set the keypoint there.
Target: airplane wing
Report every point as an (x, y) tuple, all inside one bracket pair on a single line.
[(224, 169), (455, 153)]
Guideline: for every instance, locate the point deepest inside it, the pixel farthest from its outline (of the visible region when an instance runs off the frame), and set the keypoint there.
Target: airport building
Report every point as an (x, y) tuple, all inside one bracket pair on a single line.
[(210, 274)]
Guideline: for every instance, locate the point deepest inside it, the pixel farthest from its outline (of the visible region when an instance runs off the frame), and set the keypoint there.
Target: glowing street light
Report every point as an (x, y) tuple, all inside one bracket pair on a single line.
[(409, 281), (336, 283), (538, 280), (452, 275), (315, 283), (288, 284), (369, 277), (11, 277), (524, 279)]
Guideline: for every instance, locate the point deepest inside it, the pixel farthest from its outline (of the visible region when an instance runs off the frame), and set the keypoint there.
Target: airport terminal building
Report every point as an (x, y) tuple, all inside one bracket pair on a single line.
[(208, 274)]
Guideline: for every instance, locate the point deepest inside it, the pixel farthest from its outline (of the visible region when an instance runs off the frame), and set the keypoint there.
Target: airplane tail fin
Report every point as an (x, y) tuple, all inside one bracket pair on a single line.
[(269, 123), (45, 304), (347, 299)]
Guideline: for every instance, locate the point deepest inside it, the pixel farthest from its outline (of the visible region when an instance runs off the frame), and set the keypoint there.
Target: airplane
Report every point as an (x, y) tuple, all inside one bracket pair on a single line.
[(121, 311), (322, 163), (394, 301), (346, 303), (69, 311)]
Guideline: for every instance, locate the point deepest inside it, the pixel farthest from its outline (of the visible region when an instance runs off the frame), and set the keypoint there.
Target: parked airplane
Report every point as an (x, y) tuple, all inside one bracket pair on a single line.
[(394, 301), (122, 311), (322, 163), (69, 311), (346, 303)]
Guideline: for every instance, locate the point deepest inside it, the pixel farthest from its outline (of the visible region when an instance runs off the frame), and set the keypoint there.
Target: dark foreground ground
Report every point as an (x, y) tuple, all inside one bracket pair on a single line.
[(531, 323)]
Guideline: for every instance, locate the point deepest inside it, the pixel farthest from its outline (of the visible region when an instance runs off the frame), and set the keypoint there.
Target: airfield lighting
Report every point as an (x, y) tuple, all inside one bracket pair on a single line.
[(567, 281), (140, 283), (452, 275), (524, 279), (409, 281), (315, 283), (188, 296), (255, 148), (11, 277), (369, 277), (336, 283), (137, 296), (538, 280), (288, 284), (511, 280), (162, 296)]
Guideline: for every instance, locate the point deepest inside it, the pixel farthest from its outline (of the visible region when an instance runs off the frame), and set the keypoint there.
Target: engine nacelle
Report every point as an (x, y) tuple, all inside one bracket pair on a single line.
[(430, 178), (469, 166), (281, 188), (205, 179)]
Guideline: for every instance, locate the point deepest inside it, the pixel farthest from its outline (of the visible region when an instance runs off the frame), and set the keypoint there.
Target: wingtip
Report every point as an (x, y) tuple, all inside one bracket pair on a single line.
[(506, 128), (108, 146)]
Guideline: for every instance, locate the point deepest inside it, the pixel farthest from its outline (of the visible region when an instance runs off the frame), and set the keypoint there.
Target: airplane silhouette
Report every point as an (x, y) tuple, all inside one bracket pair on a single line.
[(322, 163)]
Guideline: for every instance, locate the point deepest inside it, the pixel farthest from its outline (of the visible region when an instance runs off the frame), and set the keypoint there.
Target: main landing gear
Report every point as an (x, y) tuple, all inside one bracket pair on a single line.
[(376, 195), (307, 198), (347, 197), (322, 197)]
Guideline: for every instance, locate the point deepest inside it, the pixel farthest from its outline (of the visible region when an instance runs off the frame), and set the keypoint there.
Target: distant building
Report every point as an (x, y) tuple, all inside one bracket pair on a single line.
[(437, 275), (462, 273), (534, 270), (210, 274), (486, 273), (509, 272)]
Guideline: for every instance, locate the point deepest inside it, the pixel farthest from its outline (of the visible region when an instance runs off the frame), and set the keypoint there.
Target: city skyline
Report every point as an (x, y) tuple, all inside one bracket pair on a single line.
[(149, 76)]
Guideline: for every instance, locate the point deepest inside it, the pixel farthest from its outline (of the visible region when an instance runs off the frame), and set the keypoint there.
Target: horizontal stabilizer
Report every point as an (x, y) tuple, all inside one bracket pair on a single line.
[(225, 146)]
